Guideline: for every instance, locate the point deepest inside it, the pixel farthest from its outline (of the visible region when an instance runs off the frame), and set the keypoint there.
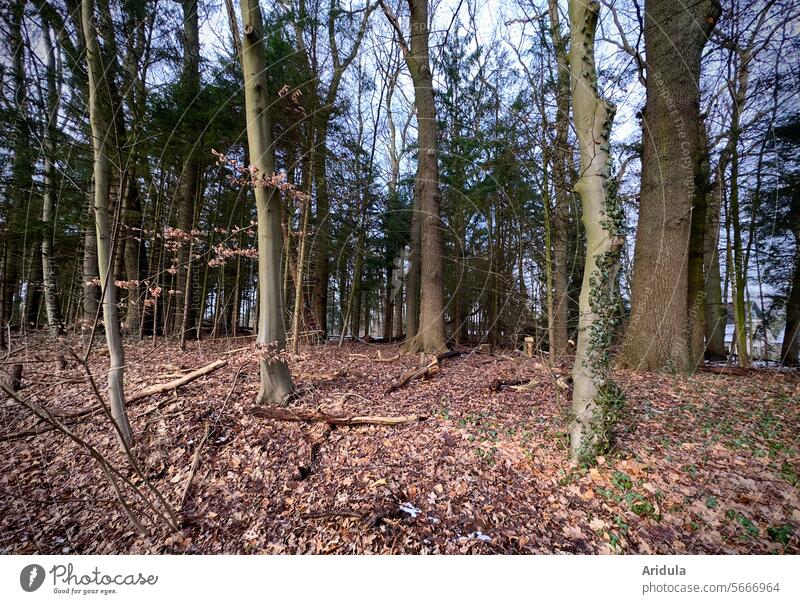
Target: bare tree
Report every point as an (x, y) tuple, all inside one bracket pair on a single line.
[(276, 381), (102, 139)]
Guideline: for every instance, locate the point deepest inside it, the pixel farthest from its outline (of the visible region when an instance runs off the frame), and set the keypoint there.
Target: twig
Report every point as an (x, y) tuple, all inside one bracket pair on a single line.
[(195, 465)]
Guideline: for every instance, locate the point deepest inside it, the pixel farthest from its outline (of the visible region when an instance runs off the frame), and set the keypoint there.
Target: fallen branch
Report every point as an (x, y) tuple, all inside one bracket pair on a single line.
[(298, 415), (372, 518), (726, 370), (40, 429), (152, 390), (448, 355), (159, 388), (236, 351), (321, 376), (497, 384), (71, 417), (376, 359), (422, 373)]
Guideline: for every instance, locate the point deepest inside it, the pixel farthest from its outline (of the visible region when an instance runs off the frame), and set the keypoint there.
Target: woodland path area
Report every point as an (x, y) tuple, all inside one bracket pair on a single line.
[(703, 464)]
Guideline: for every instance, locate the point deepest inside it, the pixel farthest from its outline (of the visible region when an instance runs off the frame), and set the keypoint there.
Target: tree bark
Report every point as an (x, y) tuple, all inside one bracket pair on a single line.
[(99, 116), (54, 323), (190, 175), (21, 166), (715, 312), (697, 235), (790, 350), (560, 216), (430, 335), (674, 39), (276, 382), (602, 217)]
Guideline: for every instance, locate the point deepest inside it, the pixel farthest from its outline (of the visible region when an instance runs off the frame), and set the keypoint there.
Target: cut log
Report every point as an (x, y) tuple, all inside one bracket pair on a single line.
[(530, 346), (299, 415), (422, 373)]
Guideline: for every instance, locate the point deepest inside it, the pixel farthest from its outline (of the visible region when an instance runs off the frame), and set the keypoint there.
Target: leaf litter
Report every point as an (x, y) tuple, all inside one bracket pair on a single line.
[(702, 464)]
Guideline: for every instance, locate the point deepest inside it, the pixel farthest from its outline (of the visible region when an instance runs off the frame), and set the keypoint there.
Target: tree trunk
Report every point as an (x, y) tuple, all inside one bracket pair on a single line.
[(594, 396), (21, 165), (99, 112), (560, 216), (674, 39), (190, 175), (790, 350), (430, 336), (321, 261), (301, 256), (276, 382), (54, 322), (697, 235), (715, 312)]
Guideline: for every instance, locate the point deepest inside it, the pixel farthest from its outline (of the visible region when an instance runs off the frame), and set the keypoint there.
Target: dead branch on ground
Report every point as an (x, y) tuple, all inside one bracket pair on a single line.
[(299, 415)]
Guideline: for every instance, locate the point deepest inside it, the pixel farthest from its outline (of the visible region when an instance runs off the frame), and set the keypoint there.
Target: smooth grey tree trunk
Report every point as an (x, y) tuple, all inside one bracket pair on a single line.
[(592, 116), (99, 112), (276, 381), (54, 323)]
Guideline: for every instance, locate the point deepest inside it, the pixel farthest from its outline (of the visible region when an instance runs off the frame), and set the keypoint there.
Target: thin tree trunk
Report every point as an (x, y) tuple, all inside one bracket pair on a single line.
[(594, 392), (715, 311), (189, 181), (99, 117), (276, 382), (790, 349), (697, 235), (298, 282), (560, 216)]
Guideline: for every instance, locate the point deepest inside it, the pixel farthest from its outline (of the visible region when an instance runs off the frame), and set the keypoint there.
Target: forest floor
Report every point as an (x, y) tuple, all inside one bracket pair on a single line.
[(706, 463)]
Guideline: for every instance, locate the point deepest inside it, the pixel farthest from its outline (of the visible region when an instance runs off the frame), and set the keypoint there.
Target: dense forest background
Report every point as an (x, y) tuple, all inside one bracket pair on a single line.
[(601, 186), (345, 132)]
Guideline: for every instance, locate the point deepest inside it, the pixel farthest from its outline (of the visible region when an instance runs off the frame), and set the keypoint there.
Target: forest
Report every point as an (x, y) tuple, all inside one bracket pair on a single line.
[(399, 276)]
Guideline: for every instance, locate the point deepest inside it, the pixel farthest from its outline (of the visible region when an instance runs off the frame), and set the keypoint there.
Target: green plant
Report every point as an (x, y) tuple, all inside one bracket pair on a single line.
[(781, 534)]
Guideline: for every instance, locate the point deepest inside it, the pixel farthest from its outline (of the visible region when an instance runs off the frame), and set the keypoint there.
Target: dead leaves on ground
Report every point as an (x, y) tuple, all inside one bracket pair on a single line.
[(703, 464)]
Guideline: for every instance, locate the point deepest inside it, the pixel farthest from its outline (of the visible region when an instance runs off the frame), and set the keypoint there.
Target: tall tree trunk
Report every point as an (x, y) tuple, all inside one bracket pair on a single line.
[(190, 175), (716, 313), (790, 350), (738, 267), (430, 335), (54, 322), (674, 39), (697, 235), (21, 167), (321, 260), (301, 255), (99, 116), (594, 396), (276, 382), (560, 216)]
